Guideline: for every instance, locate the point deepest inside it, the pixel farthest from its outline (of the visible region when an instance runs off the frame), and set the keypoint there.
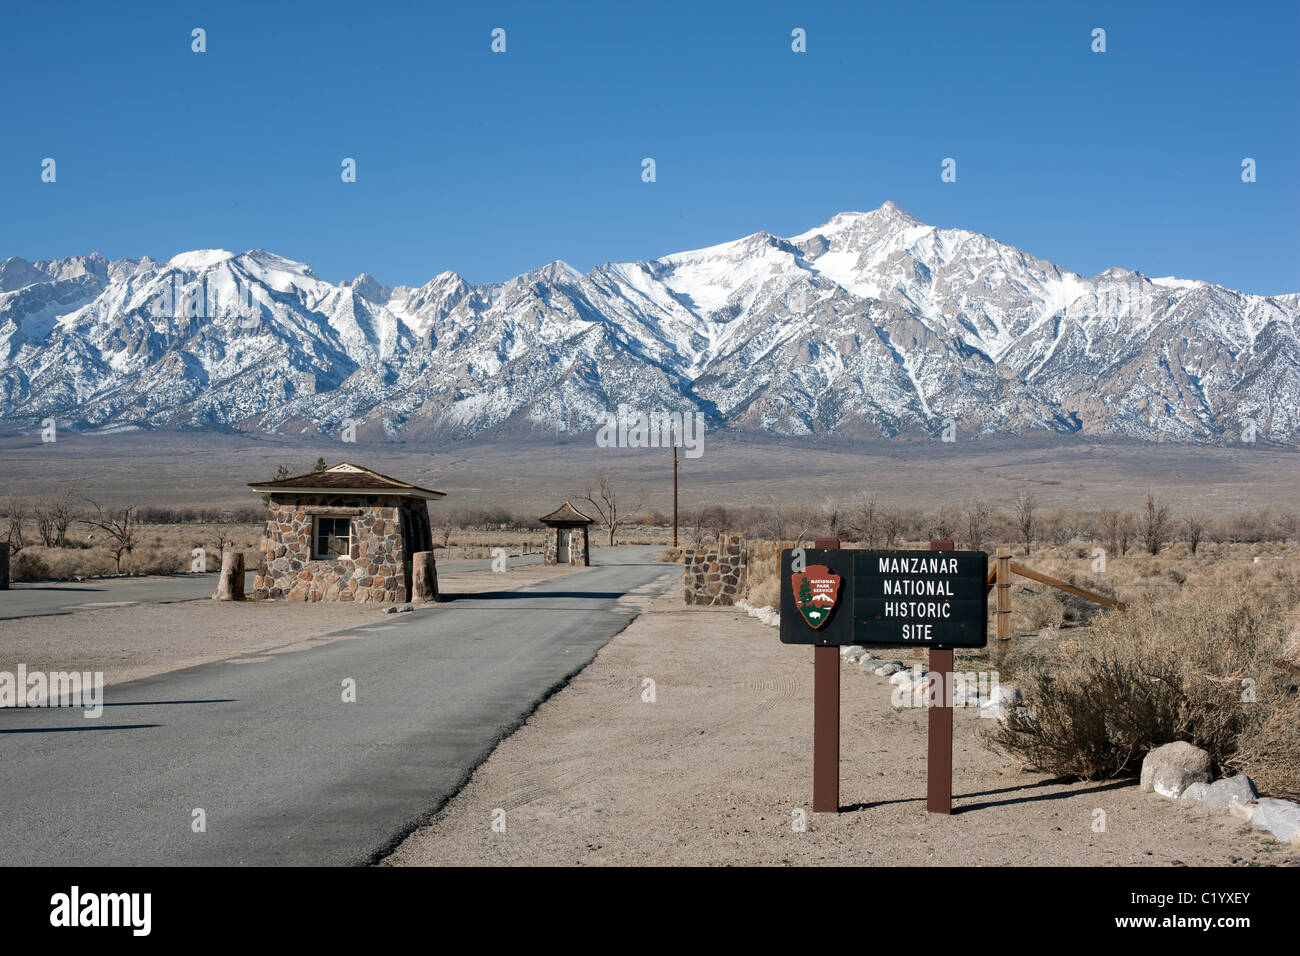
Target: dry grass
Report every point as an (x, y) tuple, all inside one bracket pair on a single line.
[(168, 548), (1198, 666)]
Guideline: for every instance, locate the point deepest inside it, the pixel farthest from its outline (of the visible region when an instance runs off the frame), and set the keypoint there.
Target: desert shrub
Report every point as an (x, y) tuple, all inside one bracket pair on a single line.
[(1165, 670), (1031, 610), (762, 584), (67, 563), (162, 561), (29, 566), (1269, 748)]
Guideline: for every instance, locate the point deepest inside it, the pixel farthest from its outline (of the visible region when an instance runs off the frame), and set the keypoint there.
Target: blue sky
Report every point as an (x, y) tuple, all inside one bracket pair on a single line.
[(492, 164)]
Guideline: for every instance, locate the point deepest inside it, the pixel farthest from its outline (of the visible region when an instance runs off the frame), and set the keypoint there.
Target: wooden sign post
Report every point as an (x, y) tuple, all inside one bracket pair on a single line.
[(938, 764), (826, 718), (935, 599)]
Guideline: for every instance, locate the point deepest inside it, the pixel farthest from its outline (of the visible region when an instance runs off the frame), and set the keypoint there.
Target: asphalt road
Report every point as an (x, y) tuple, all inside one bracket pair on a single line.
[(68, 597), (285, 771)]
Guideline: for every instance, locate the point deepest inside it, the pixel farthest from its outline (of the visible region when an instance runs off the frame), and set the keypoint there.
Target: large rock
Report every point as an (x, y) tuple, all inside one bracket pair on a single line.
[(1172, 781), (1178, 754), (1278, 817), (1195, 793), (1223, 793), (853, 652), (887, 668)]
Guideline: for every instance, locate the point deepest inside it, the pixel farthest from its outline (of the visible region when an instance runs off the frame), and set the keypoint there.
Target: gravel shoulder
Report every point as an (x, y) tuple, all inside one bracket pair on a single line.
[(714, 769)]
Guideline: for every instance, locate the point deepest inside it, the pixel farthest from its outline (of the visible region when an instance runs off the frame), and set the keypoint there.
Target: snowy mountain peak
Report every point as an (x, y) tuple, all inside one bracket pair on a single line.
[(870, 324), (199, 259)]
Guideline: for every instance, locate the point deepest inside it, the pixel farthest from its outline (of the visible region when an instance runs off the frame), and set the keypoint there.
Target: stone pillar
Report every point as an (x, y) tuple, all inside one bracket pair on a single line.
[(4, 566), (424, 577), (230, 587), (551, 554), (586, 548)]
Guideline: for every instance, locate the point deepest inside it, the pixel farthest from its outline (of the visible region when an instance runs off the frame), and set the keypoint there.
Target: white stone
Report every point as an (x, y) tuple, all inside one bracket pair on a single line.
[(1222, 793), (887, 669), (1172, 781), (1195, 793), (853, 652), (1278, 817)]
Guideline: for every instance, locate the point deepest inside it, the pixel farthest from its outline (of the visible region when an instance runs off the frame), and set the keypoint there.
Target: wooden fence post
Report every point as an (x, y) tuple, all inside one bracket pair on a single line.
[(1002, 612)]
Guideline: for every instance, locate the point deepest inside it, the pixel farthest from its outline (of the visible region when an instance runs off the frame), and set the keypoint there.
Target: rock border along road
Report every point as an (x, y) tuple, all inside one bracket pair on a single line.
[(284, 770)]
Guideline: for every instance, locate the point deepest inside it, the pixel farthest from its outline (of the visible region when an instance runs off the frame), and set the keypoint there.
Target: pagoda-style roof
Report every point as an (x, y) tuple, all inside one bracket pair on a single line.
[(345, 478), (566, 514)]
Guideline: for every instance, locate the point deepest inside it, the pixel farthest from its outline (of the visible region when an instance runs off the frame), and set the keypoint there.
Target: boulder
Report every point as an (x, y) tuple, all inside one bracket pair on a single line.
[(1195, 793), (1223, 793), (1278, 817), (853, 652), (1172, 781), (1178, 754), (887, 668), (1242, 811)]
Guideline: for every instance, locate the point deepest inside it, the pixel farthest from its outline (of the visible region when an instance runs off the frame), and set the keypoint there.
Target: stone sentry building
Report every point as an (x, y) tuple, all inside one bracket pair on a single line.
[(567, 541), (343, 534)]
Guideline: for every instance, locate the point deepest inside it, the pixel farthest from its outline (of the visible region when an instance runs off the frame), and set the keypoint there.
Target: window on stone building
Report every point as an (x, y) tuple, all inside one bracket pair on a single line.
[(333, 538)]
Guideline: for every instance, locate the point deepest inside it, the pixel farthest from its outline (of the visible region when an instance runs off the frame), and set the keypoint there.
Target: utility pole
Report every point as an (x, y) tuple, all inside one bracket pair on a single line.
[(674, 488)]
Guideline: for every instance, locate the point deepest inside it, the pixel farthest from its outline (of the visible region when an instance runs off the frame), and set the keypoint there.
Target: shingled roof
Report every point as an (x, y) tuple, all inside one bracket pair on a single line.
[(345, 478), (566, 514)]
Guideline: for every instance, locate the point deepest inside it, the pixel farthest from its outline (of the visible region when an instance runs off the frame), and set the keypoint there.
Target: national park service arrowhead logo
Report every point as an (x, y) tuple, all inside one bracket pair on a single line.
[(815, 592)]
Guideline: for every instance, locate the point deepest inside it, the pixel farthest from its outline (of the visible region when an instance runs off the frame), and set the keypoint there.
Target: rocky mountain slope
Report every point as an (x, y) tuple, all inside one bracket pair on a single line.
[(872, 324)]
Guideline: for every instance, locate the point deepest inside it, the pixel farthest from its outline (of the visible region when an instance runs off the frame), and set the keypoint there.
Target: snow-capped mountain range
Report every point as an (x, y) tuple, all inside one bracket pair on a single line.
[(872, 324)]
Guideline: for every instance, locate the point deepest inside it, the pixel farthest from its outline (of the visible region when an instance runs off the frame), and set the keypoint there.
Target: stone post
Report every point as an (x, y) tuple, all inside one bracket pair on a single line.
[(230, 587), (424, 577)]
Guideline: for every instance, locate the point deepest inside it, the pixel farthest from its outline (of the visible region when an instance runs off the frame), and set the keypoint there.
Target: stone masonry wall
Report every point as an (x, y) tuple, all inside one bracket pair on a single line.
[(716, 575), (375, 570)]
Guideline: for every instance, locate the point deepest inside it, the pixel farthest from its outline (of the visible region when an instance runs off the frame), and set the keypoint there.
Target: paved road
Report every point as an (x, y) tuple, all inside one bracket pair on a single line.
[(286, 772), (68, 597)]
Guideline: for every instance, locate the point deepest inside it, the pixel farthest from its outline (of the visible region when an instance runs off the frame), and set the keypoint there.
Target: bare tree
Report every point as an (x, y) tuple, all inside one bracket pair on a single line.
[(893, 523), (1108, 528), (610, 514), (1194, 526), (1124, 530), (16, 514), (120, 526), (442, 525), (979, 517), (1154, 524), (716, 520), (1025, 518), (864, 521), (945, 522)]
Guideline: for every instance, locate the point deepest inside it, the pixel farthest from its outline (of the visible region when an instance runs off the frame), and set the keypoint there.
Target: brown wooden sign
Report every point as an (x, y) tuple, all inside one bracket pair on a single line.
[(884, 598)]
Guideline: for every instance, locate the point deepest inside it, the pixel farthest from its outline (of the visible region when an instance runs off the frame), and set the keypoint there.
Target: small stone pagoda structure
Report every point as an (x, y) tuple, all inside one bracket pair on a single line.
[(567, 542), (343, 534)]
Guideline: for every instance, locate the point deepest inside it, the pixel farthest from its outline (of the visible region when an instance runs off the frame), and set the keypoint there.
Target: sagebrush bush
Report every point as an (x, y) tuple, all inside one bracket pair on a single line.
[(1165, 670)]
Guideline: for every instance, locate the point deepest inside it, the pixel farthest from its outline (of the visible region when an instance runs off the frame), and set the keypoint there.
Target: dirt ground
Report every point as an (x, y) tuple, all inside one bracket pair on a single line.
[(141, 640), (718, 767)]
